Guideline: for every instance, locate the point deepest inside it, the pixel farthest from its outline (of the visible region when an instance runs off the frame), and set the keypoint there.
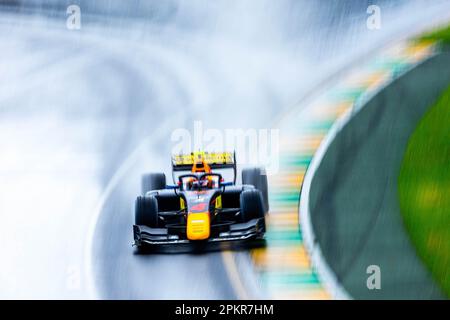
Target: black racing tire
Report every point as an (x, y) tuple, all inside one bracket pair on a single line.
[(146, 211), (152, 181), (252, 205), (257, 177)]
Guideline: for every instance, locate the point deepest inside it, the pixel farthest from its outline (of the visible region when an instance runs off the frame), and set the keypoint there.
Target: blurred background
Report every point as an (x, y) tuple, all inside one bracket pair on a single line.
[(83, 112)]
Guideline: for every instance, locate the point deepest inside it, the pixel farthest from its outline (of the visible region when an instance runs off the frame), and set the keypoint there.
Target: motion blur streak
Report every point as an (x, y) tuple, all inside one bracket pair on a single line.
[(75, 104)]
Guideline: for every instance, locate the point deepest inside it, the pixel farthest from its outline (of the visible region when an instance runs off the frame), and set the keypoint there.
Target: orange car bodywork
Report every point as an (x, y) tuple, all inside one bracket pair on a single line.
[(198, 226)]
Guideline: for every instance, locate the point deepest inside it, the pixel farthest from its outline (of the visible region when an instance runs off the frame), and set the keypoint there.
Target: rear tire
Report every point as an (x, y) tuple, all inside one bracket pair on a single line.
[(257, 177), (252, 205), (146, 211), (152, 181)]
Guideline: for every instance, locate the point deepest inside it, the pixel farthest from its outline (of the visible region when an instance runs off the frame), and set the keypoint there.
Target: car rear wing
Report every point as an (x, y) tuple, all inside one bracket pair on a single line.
[(215, 160)]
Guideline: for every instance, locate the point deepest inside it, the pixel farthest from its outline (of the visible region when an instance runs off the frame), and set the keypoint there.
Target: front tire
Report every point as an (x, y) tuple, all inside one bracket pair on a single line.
[(252, 205), (257, 177), (146, 211)]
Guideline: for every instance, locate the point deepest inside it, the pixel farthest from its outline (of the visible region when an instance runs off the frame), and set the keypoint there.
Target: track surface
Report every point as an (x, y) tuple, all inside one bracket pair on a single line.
[(84, 113), (351, 207)]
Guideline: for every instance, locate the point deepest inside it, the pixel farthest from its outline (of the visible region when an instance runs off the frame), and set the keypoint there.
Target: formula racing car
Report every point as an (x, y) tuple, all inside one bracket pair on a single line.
[(201, 206)]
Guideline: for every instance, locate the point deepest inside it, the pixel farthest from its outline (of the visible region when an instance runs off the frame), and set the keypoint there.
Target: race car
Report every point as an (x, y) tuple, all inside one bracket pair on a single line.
[(201, 207)]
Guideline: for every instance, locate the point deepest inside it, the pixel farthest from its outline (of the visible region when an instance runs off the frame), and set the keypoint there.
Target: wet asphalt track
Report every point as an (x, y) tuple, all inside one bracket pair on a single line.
[(103, 103)]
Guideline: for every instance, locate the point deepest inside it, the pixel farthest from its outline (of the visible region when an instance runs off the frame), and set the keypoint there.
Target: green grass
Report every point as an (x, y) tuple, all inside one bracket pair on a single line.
[(424, 190), (442, 35)]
